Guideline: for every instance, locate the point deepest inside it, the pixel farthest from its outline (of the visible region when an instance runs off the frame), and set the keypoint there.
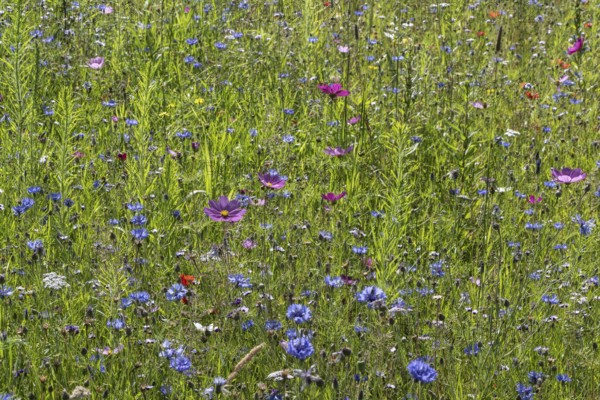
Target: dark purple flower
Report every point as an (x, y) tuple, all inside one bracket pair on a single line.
[(224, 210), (332, 197), (577, 46), (568, 175), (338, 151), (334, 90), (272, 181)]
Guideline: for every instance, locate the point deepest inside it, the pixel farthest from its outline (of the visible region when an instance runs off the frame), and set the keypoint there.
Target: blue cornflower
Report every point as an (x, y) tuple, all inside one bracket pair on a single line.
[(288, 139), (109, 103), (370, 295), (272, 325), (535, 377), (472, 350), (299, 313), (34, 190), (139, 220), (180, 363), (191, 41), (55, 196), (534, 226), (69, 203), (36, 245), (335, 281), (324, 235), (585, 227), (312, 39), (301, 348), (535, 276), (135, 207), (550, 299), (247, 325), (140, 297), (525, 392), (6, 291), (113, 221), (421, 371), (559, 225), (377, 214), (550, 184), (126, 302), (176, 292), (139, 234), (563, 378), (560, 247), (360, 250), (117, 324), (239, 280), (185, 134), (253, 132), (131, 122), (288, 111), (220, 46), (437, 269)]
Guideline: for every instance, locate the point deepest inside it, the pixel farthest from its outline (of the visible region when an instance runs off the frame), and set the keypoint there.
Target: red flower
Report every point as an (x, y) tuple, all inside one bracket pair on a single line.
[(184, 300), (327, 4), (481, 33), (122, 156), (532, 95), (186, 280)]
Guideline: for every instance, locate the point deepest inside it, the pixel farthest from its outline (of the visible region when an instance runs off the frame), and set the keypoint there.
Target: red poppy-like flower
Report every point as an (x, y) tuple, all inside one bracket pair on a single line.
[(122, 156), (186, 280), (332, 197), (532, 95), (224, 210)]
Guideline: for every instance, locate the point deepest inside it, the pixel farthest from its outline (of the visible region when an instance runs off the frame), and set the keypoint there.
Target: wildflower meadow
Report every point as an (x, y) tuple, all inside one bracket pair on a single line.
[(299, 199)]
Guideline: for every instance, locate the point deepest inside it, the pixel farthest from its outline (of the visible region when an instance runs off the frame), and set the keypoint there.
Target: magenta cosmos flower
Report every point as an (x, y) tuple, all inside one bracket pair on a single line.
[(334, 90), (332, 197), (96, 63), (577, 46), (338, 151), (272, 181), (224, 210), (568, 175)]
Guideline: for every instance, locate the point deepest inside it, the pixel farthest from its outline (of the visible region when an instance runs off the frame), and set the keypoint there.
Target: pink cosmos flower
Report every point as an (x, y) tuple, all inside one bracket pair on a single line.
[(96, 63), (332, 197), (354, 120), (224, 210), (343, 49), (272, 181), (568, 175), (107, 10), (334, 90), (577, 46), (533, 200), (338, 151)]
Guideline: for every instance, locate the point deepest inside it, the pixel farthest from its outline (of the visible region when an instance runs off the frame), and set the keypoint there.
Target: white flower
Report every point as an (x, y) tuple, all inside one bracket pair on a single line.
[(54, 281)]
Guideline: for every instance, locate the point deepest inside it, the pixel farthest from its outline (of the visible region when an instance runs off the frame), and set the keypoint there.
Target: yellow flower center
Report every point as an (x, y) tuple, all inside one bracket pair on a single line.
[(224, 213), (269, 184)]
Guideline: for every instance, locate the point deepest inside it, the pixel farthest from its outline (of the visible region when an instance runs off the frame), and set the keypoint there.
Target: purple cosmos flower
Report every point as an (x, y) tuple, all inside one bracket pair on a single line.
[(271, 180), (334, 90), (577, 46), (224, 210), (568, 175), (96, 63), (338, 151), (332, 197)]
